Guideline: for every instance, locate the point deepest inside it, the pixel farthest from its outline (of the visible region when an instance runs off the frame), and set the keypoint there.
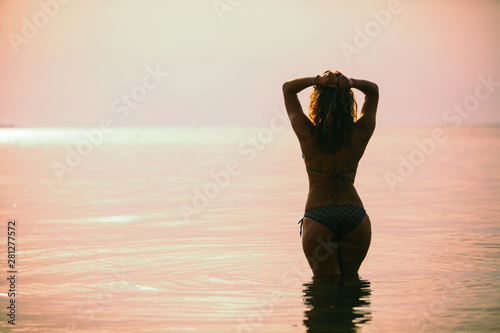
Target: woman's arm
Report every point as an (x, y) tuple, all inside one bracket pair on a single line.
[(366, 87), (367, 119), (295, 86), (300, 122)]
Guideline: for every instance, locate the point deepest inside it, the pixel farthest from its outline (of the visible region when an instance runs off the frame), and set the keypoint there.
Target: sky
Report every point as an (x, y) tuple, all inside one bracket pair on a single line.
[(66, 63)]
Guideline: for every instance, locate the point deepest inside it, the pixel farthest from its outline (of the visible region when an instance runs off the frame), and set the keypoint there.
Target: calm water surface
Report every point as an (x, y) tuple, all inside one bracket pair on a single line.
[(174, 230)]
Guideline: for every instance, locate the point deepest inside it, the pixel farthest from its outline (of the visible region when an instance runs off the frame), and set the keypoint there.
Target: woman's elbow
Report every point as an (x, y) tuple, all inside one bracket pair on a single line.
[(285, 86), (374, 90)]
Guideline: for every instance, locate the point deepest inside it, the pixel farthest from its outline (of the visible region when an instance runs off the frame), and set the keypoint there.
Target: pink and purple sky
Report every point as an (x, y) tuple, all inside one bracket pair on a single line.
[(69, 63)]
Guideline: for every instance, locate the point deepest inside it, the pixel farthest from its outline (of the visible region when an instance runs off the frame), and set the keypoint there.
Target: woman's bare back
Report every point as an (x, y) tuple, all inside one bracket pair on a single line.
[(336, 231)]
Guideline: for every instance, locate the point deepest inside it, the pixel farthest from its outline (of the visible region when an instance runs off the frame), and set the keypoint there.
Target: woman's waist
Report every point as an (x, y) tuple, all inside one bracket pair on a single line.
[(332, 187), (325, 196)]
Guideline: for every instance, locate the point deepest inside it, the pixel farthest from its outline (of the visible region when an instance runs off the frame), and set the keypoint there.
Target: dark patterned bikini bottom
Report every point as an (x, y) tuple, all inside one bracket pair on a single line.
[(340, 219)]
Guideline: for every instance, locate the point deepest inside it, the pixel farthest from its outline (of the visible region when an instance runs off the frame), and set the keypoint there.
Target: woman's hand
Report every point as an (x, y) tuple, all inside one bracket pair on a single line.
[(327, 79), (344, 82)]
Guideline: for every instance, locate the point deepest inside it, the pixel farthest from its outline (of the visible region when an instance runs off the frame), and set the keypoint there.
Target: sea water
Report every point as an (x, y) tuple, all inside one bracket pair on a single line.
[(195, 229)]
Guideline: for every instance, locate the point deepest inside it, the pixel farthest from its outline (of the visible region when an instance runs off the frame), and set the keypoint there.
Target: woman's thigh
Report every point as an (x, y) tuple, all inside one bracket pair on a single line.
[(321, 248), (354, 247)]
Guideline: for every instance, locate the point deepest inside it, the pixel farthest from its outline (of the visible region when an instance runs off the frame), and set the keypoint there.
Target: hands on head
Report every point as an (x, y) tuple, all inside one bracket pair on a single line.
[(334, 80)]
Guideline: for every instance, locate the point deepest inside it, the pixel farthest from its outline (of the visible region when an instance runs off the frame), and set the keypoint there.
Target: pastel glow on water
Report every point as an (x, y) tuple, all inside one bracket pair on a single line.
[(108, 250), (118, 135)]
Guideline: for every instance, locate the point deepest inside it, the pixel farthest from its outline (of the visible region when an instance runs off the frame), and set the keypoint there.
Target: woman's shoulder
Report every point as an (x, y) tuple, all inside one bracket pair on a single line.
[(363, 128)]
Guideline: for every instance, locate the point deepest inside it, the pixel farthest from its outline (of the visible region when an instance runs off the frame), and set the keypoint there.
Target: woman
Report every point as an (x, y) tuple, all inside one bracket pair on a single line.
[(335, 230)]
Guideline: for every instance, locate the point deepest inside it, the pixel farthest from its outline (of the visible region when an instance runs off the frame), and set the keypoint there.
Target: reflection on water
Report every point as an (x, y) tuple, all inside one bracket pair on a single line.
[(336, 304)]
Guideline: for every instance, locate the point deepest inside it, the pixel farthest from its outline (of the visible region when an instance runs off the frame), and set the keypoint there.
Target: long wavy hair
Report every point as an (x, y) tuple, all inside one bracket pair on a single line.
[(333, 112)]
